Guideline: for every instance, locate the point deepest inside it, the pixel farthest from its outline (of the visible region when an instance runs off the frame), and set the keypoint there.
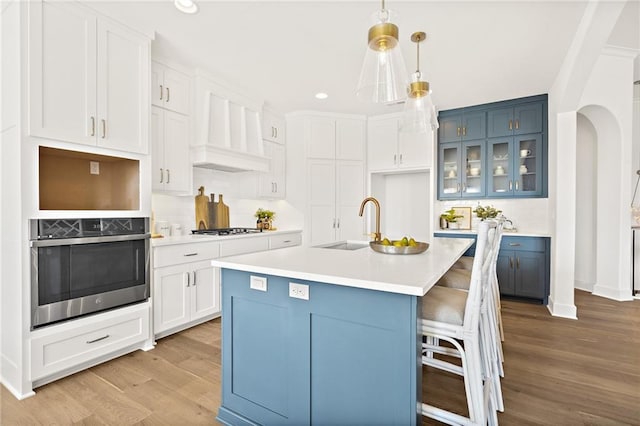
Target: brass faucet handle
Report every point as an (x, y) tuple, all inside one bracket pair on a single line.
[(376, 236)]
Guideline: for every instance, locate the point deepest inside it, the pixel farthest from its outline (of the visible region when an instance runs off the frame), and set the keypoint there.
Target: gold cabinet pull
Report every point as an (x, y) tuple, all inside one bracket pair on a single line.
[(104, 128), (93, 126), (464, 187), (458, 132), (510, 185), (510, 125), (517, 185), (161, 90), (161, 174), (464, 131), (457, 187), (517, 124)]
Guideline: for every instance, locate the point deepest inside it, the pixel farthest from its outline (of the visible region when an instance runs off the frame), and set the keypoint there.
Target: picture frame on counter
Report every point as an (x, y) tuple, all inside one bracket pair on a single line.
[(464, 222)]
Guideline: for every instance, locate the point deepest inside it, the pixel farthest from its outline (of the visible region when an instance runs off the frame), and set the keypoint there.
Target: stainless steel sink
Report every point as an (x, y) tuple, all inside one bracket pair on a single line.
[(346, 245)]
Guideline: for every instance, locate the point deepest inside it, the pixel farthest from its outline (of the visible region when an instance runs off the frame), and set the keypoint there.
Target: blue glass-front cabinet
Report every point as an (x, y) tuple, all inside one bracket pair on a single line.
[(463, 172), (511, 139)]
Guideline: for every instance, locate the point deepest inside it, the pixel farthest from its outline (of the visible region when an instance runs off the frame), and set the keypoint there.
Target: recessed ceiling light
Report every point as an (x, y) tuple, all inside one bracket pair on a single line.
[(321, 95), (186, 6)]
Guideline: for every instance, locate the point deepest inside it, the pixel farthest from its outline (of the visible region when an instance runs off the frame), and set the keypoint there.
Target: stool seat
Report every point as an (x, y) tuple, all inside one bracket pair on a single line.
[(456, 278), (444, 304)]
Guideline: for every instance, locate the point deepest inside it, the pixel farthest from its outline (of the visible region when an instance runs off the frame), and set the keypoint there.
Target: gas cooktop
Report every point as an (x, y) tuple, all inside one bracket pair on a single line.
[(226, 231)]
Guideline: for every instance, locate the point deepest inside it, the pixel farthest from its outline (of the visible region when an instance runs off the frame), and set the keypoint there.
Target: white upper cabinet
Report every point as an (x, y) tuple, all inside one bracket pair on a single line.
[(171, 170), (389, 149), (169, 88), (273, 127), (336, 138), (272, 184), (88, 78)]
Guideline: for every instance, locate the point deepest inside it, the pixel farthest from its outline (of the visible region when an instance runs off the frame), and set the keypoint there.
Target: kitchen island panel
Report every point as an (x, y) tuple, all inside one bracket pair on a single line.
[(345, 355)]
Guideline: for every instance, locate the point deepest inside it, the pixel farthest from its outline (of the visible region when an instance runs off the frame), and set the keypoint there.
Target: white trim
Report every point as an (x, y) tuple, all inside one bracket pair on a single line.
[(562, 310), (584, 286), (624, 52), (615, 293), (310, 113)]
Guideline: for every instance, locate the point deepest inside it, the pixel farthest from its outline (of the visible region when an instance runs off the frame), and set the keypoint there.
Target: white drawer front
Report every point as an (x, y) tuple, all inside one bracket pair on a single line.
[(93, 337), (286, 240), (184, 253), (243, 245)]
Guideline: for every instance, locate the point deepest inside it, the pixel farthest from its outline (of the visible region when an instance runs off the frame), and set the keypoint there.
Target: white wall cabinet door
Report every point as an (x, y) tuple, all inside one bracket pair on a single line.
[(415, 149), (171, 297), (272, 184), (171, 170), (273, 127), (350, 139), (205, 291), (62, 72), (349, 195), (322, 201), (88, 78), (382, 144), (169, 88), (322, 138)]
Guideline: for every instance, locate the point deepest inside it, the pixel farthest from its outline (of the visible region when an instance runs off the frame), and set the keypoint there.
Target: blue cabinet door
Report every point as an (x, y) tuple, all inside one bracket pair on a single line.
[(473, 170), (474, 125), (504, 269), (450, 127), (528, 118), (500, 172), (529, 274), (450, 171), (500, 122), (528, 165)]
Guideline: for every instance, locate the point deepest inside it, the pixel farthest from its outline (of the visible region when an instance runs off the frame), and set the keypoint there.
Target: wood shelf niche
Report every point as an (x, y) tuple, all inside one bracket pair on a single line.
[(66, 181)]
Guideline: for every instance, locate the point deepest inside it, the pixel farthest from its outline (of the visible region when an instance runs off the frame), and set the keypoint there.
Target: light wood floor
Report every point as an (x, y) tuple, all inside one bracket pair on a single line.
[(557, 372)]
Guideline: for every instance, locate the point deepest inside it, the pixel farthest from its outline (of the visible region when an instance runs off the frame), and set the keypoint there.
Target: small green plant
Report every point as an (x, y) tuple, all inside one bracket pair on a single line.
[(486, 212), (264, 214), (450, 216)]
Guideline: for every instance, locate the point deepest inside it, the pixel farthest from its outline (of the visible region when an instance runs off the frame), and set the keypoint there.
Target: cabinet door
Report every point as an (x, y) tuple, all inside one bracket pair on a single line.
[(449, 181), (273, 127), (322, 138), (530, 274), (123, 89), (500, 167), (322, 201), (176, 91), (450, 129), (272, 184), (176, 152), (349, 195), (157, 84), (350, 139), (505, 272), (157, 149), (415, 149), (529, 162), (474, 125), (500, 122), (382, 144), (473, 175), (170, 297), (527, 118), (62, 72), (205, 290)]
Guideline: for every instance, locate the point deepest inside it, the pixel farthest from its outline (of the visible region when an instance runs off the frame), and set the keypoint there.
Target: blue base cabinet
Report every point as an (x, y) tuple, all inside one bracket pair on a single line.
[(523, 266), (345, 356)]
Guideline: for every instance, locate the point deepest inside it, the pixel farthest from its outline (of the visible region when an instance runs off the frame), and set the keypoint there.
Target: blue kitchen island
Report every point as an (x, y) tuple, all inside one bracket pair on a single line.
[(325, 336)]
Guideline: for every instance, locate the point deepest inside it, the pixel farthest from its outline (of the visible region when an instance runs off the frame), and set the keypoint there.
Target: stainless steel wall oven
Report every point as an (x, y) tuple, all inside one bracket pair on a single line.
[(83, 266)]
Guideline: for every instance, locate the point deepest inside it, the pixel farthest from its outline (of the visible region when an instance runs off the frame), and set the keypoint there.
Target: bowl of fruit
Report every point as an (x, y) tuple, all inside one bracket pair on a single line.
[(403, 246)]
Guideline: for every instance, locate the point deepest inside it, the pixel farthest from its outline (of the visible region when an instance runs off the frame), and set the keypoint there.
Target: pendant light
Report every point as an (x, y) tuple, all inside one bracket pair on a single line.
[(419, 111), (383, 75)]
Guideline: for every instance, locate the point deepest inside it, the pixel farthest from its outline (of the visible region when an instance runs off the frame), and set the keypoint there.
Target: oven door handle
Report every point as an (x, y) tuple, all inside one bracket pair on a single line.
[(88, 240)]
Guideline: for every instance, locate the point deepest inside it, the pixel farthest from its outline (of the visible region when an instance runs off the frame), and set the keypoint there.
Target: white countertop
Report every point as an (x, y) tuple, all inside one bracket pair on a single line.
[(505, 233), (188, 239), (363, 268)]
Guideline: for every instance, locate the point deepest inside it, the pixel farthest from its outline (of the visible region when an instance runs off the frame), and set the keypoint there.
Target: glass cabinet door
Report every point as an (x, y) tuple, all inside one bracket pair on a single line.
[(500, 169), (528, 155), (473, 174), (450, 170)]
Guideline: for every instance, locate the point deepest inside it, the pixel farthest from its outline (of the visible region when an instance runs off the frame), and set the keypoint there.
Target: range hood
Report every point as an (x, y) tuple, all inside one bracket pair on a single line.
[(228, 128), (227, 160)]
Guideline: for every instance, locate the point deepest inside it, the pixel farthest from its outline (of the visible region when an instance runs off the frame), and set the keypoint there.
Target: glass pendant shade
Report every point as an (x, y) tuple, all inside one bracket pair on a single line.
[(419, 115), (383, 75)]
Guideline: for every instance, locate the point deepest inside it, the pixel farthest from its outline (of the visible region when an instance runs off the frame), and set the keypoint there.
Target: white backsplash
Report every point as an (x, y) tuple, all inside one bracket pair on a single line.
[(529, 215), (236, 194)]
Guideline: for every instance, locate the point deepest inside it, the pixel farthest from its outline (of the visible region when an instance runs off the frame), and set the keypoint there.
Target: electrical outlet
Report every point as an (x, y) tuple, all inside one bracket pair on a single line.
[(94, 167), (299, 291), (258, 283)]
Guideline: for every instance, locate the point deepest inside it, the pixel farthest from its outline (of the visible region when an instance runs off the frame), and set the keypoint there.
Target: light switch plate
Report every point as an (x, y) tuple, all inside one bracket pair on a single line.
[(94, 167), (258, 283)]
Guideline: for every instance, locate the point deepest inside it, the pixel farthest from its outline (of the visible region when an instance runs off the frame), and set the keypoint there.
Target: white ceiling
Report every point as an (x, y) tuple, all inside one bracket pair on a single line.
[(285, 52)]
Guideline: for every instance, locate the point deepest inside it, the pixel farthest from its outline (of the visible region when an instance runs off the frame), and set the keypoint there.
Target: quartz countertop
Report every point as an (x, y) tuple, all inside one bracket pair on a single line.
[(195, 238), (362, 268), (505, 233)]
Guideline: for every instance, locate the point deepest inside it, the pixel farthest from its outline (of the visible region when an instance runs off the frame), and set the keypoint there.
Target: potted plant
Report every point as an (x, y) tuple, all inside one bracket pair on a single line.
[(486, 212), (265, 218), (450, 219)]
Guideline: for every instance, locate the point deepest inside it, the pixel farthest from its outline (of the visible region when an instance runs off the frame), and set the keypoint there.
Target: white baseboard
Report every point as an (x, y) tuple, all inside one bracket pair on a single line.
[(562, 310), (583, 285), (19, 395), (615, 293)]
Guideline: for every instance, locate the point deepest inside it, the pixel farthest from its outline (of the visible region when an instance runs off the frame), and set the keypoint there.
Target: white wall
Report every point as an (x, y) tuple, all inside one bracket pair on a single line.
[(586, 201)]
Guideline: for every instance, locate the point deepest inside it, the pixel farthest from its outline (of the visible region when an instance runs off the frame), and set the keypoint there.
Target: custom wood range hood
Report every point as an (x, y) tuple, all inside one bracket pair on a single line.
[(228, 129)]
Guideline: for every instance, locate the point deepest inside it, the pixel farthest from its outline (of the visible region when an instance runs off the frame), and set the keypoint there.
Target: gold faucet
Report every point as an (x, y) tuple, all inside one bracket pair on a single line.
[(376, 236)]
